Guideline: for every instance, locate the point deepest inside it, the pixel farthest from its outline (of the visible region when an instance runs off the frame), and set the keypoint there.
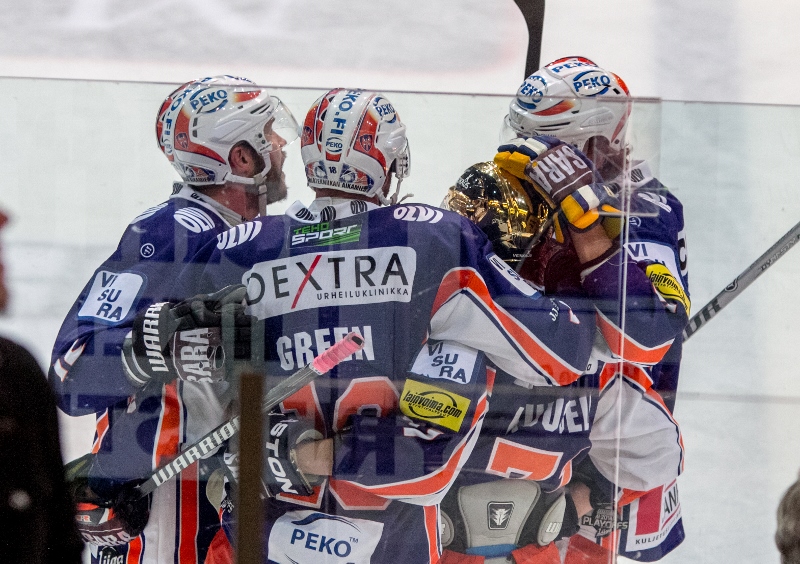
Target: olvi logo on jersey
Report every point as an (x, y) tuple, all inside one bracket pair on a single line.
[(336, 278)]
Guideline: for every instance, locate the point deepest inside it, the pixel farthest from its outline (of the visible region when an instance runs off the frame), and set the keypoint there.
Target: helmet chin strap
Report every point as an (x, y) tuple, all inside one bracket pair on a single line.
[(392, 200), (259, 181)]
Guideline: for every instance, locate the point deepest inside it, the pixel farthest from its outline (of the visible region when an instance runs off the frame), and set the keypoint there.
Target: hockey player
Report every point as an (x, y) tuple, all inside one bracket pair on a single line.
[(226, 137), (546, 436), (395, 423)]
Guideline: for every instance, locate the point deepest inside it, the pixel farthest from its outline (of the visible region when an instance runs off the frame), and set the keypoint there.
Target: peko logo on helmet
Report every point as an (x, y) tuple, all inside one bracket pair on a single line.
[(207, 100), (334, 145), (385, 109), (591, 83), (533, 89)]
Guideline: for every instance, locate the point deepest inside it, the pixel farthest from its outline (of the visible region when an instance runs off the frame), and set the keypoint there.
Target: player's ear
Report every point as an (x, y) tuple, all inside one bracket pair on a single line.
[(242, 159)]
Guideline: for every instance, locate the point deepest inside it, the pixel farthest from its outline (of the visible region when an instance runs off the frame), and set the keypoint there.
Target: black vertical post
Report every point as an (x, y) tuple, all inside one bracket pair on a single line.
[(250, 509), (533, 12)]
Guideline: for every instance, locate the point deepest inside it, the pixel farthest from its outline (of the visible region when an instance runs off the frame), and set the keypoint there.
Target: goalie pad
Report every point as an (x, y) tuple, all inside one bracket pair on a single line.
[(495, 518)]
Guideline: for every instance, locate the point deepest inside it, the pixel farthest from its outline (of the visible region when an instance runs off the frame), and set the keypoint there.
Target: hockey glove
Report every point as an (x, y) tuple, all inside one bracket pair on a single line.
[(185, 340), (562, 175), (282, 435), (110, 520)]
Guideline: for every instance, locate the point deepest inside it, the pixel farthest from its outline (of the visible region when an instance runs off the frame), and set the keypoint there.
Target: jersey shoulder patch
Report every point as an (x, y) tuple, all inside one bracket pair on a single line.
[(111, 296), (433, 404), (446, 360)]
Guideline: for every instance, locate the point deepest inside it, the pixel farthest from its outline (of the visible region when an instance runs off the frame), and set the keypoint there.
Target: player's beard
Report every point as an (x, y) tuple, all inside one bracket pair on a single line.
[(275, 182)]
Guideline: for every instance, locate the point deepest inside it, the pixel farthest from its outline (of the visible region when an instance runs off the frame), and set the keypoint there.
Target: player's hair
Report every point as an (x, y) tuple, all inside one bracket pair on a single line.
[(787, 537)]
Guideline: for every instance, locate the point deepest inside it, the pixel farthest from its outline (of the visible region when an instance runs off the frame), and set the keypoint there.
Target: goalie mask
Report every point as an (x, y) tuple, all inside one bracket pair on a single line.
[(200, 122), (496, 201), (352, 141), (572, 99)]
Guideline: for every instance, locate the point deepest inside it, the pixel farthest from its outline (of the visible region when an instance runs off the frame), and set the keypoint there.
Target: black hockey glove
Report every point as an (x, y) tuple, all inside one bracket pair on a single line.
[(110, 520), (185, 340), (282, 434)]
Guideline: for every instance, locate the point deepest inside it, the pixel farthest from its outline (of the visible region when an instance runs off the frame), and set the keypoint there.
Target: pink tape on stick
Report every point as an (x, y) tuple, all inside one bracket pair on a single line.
[(352, 342)]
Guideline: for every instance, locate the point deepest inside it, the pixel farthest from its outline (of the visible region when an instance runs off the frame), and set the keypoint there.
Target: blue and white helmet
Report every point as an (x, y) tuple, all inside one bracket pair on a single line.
[(572, 99), (351, 141), (202, 120)]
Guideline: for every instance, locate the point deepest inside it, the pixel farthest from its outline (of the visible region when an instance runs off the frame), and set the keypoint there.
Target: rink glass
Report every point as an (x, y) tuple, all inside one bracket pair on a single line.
[(733, 167)]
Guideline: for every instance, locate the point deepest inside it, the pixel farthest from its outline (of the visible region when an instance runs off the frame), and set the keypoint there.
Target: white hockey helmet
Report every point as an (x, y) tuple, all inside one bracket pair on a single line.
[(352, 141), (572, 99), (201, 121)]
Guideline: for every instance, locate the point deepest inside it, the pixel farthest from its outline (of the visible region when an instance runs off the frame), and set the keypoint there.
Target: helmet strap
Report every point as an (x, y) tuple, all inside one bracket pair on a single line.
[(392, 200)]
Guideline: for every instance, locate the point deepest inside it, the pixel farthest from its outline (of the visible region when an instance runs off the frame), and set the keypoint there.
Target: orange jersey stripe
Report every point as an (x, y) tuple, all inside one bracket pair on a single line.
[(625, 347), (463, 279)]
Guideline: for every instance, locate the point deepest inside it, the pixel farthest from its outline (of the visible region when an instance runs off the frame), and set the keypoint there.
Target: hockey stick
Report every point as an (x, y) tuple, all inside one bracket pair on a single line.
[(351, 343), (742, 281)]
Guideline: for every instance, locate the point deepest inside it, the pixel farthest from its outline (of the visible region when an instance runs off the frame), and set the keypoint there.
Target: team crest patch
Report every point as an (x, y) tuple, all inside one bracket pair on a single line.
[(366, 142), (433, 404)]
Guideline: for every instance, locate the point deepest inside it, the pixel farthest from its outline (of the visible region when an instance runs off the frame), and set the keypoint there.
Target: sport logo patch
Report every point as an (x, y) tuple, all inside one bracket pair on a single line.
[(499, 514), (433, 404), (111, 296), (666, 285), (323, 234)]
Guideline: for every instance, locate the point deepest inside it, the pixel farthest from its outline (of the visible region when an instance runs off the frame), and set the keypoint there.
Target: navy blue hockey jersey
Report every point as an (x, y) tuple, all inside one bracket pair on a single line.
[(404, 412)]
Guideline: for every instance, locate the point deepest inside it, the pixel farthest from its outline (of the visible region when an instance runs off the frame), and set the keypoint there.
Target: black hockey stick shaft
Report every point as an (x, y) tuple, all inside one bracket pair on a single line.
[(533, 12), (351, 343), (742, 281)]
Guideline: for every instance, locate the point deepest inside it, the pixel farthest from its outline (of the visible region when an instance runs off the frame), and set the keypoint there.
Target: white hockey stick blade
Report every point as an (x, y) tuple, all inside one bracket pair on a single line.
[(776, 251), (351, 343)]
